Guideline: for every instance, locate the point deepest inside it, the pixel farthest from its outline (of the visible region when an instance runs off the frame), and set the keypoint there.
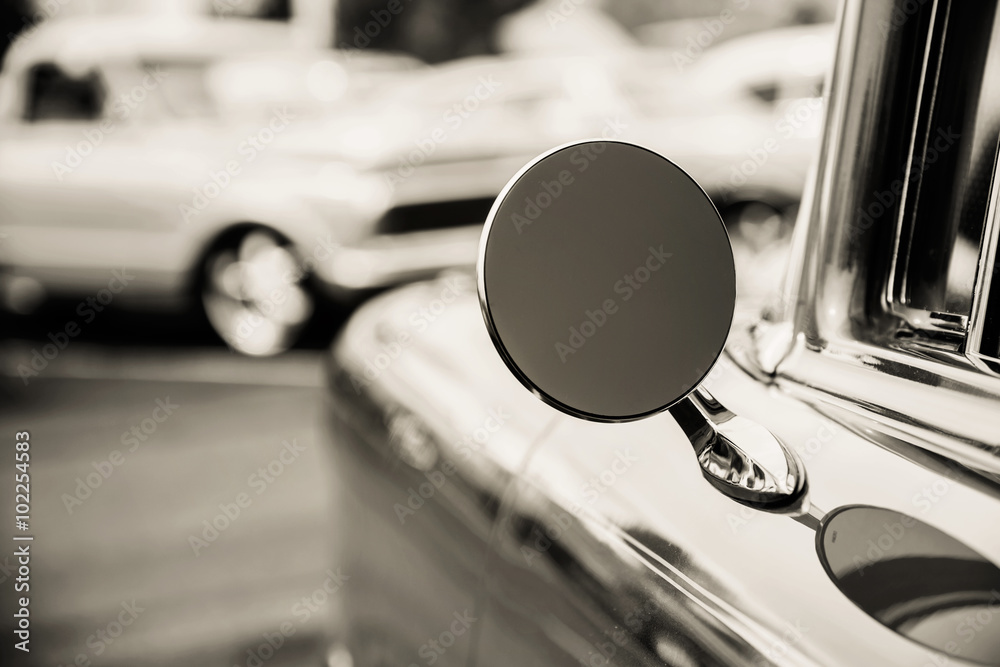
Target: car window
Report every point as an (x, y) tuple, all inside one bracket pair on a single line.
[(54, 95), (946, 188)]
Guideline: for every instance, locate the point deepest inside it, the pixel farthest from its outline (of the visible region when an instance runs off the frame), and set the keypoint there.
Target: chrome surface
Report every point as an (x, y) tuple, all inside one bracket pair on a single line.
[(428, 440), (843, 347), (739, 457), (985, 273), (655, 548), (895, 288), (913, 578), (948, 173), (958, 419)]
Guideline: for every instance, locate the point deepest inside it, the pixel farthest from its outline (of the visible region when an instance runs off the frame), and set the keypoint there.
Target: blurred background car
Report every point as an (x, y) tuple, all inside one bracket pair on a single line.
[(221, 167), (135, 144), (448, 140)]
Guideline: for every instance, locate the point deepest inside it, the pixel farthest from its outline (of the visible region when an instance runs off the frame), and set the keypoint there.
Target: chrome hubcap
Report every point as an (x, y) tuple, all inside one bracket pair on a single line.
[(254, 295)]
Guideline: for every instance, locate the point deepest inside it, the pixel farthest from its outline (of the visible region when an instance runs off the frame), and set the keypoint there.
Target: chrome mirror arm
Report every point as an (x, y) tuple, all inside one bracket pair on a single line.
[(739, 457)]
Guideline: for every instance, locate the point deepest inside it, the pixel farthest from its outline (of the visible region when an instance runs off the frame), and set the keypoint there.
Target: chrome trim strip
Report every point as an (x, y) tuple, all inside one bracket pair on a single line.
[(890, 387), (894, 295), (984, 273)]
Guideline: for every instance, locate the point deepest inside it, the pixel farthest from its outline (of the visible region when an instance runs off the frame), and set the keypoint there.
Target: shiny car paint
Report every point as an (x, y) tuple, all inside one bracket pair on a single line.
[(606, 541)]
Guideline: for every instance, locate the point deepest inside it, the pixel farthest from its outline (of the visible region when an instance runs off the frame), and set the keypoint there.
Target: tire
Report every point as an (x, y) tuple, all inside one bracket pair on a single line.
[(254, 293)]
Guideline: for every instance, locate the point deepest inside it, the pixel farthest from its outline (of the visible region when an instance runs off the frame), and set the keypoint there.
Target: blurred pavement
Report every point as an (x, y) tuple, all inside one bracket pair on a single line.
[(130, 538)]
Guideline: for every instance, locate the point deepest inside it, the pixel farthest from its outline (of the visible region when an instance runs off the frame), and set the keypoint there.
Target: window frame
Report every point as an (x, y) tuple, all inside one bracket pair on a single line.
[(930, 331), (834, 345), (984, 299), (930, 327)]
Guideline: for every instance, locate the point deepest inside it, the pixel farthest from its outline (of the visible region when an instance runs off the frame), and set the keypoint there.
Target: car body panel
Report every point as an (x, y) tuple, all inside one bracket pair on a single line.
[(420, 477), (761, 568), (609, 546), (622, 562)]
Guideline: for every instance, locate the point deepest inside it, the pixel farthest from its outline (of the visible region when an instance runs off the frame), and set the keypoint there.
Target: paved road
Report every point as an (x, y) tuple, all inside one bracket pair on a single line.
[(206, 421)]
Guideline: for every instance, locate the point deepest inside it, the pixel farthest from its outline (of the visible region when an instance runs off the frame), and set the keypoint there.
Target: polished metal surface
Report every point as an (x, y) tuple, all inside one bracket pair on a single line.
[(838, 343), (426, 447), (740, 457)]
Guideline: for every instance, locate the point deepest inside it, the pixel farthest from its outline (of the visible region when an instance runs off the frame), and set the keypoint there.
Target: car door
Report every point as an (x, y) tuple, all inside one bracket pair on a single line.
[(56, 181), (426, 443), (91, 177), (615, 550)]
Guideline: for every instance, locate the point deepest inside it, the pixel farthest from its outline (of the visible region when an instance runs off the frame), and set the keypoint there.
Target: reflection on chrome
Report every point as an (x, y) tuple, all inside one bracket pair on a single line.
[(739, 457), (915, 579)]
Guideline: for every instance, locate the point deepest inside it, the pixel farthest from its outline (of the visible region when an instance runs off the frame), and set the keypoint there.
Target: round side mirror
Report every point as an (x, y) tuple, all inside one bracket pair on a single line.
[(606, 280)]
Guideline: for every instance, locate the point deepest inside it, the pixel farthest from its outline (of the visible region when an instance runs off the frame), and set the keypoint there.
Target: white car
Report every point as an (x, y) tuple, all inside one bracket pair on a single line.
[(148, 152), (216, 165)]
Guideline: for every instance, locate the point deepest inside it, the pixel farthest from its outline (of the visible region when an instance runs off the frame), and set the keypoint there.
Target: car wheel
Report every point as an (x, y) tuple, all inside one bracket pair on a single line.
[(254, 294)]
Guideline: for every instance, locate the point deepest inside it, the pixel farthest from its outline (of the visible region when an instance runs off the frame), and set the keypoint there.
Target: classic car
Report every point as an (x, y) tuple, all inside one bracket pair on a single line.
[(252, 179), (748, 139), (813, 484), (155, 147)]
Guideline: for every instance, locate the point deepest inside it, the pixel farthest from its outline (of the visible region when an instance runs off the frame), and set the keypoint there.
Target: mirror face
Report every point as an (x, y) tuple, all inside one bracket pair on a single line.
[(607, 280), (914, 579)]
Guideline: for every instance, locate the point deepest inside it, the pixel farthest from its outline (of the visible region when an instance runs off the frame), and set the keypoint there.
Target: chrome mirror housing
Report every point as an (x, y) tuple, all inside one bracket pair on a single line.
[(607, 283)]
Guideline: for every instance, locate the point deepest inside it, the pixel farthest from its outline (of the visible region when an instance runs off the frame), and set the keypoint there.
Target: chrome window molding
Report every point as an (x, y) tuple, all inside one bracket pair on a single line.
[(984, 278), (919, 137), (947, 409), (841, 348), (945, 321)]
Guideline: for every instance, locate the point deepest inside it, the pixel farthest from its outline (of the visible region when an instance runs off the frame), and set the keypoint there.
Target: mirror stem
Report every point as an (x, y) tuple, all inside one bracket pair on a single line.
[(741, 458)]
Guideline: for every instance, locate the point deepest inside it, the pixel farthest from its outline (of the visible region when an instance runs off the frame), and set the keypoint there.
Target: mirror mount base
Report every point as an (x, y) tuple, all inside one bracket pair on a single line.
[(741, 458)]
